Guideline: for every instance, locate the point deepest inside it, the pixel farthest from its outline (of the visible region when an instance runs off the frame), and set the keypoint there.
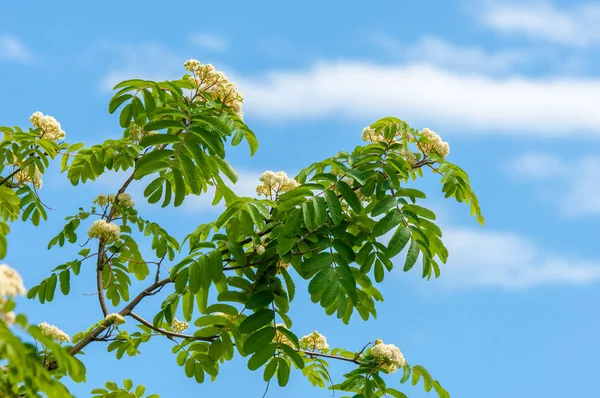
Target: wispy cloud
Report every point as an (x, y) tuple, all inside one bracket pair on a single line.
[(12, 49), (150, 61), (576, 25), (473, 103), (491, 259), (245, 187), (435, 51), (571, 185), (208, 41)]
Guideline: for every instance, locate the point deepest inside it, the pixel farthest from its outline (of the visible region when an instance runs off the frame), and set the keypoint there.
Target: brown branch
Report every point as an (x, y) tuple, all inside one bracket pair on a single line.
[(168, 333), (313, 354), (101, 298)]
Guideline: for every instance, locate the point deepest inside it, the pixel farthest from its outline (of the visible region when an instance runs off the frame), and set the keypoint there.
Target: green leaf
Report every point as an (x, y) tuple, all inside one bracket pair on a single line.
[(262, 356), (389, 221), (259, 339), (238, 252), (226, 168), (116, 102), (420, 211), (349, 195), (159, 139), (65, 285), (270, 369), (411, 255), (257, 320), (259, 299), (164, 124), (398, 242), (383, 205), (283, 372)]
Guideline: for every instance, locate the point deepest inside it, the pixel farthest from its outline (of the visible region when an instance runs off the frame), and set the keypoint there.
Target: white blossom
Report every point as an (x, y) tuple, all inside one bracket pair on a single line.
[(207, 79), (124, 199), (11, 283), (136, 133), (260, 250), (388, 356), (369, 134), (315, 342), (23, 176), (115, 318), (54, 333), (101, 200), (103, 230), (275, 183), (433, 143), (50, 127)]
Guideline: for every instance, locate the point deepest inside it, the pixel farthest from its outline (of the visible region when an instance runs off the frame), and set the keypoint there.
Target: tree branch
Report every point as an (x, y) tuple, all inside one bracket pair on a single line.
[(166, 332), (313, 354)]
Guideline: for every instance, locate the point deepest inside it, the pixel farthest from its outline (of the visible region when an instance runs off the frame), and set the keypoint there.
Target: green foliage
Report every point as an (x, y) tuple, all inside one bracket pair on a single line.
[(348, 223), (112, 390)]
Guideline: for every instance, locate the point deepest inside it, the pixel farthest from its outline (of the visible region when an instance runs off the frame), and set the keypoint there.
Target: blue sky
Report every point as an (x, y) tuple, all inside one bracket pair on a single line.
[(513, 86)]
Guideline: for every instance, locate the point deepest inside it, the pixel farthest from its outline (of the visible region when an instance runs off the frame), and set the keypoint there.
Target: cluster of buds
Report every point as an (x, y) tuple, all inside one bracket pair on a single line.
[(24, 176), (428, 143), (115, 318), (205, 78), (122, 199), (136, 133), (433, 143), (105, 231), (49, 126), (314, 342), (54, 333), (388, 356), (273, 184), (179, 326)]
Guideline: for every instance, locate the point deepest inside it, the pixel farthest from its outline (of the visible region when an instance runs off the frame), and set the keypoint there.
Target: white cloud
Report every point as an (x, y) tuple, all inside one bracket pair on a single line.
[(210, 42), (509, 261), (145, 61), (11, 49), (571, 185), (245, 187), (432, 50), (577, 26), (472, 103)]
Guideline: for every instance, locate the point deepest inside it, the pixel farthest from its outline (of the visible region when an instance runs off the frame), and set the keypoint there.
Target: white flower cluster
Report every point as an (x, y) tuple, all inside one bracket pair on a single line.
[(275, 183), (207, 79), (11, 283), (115, 318), (388, 356), (23, 176), (315, 342), (179, 326), (137, 133), (434, 143), (369, 134), (122, 199), (54, 333), (103, 230), (50, 127)]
